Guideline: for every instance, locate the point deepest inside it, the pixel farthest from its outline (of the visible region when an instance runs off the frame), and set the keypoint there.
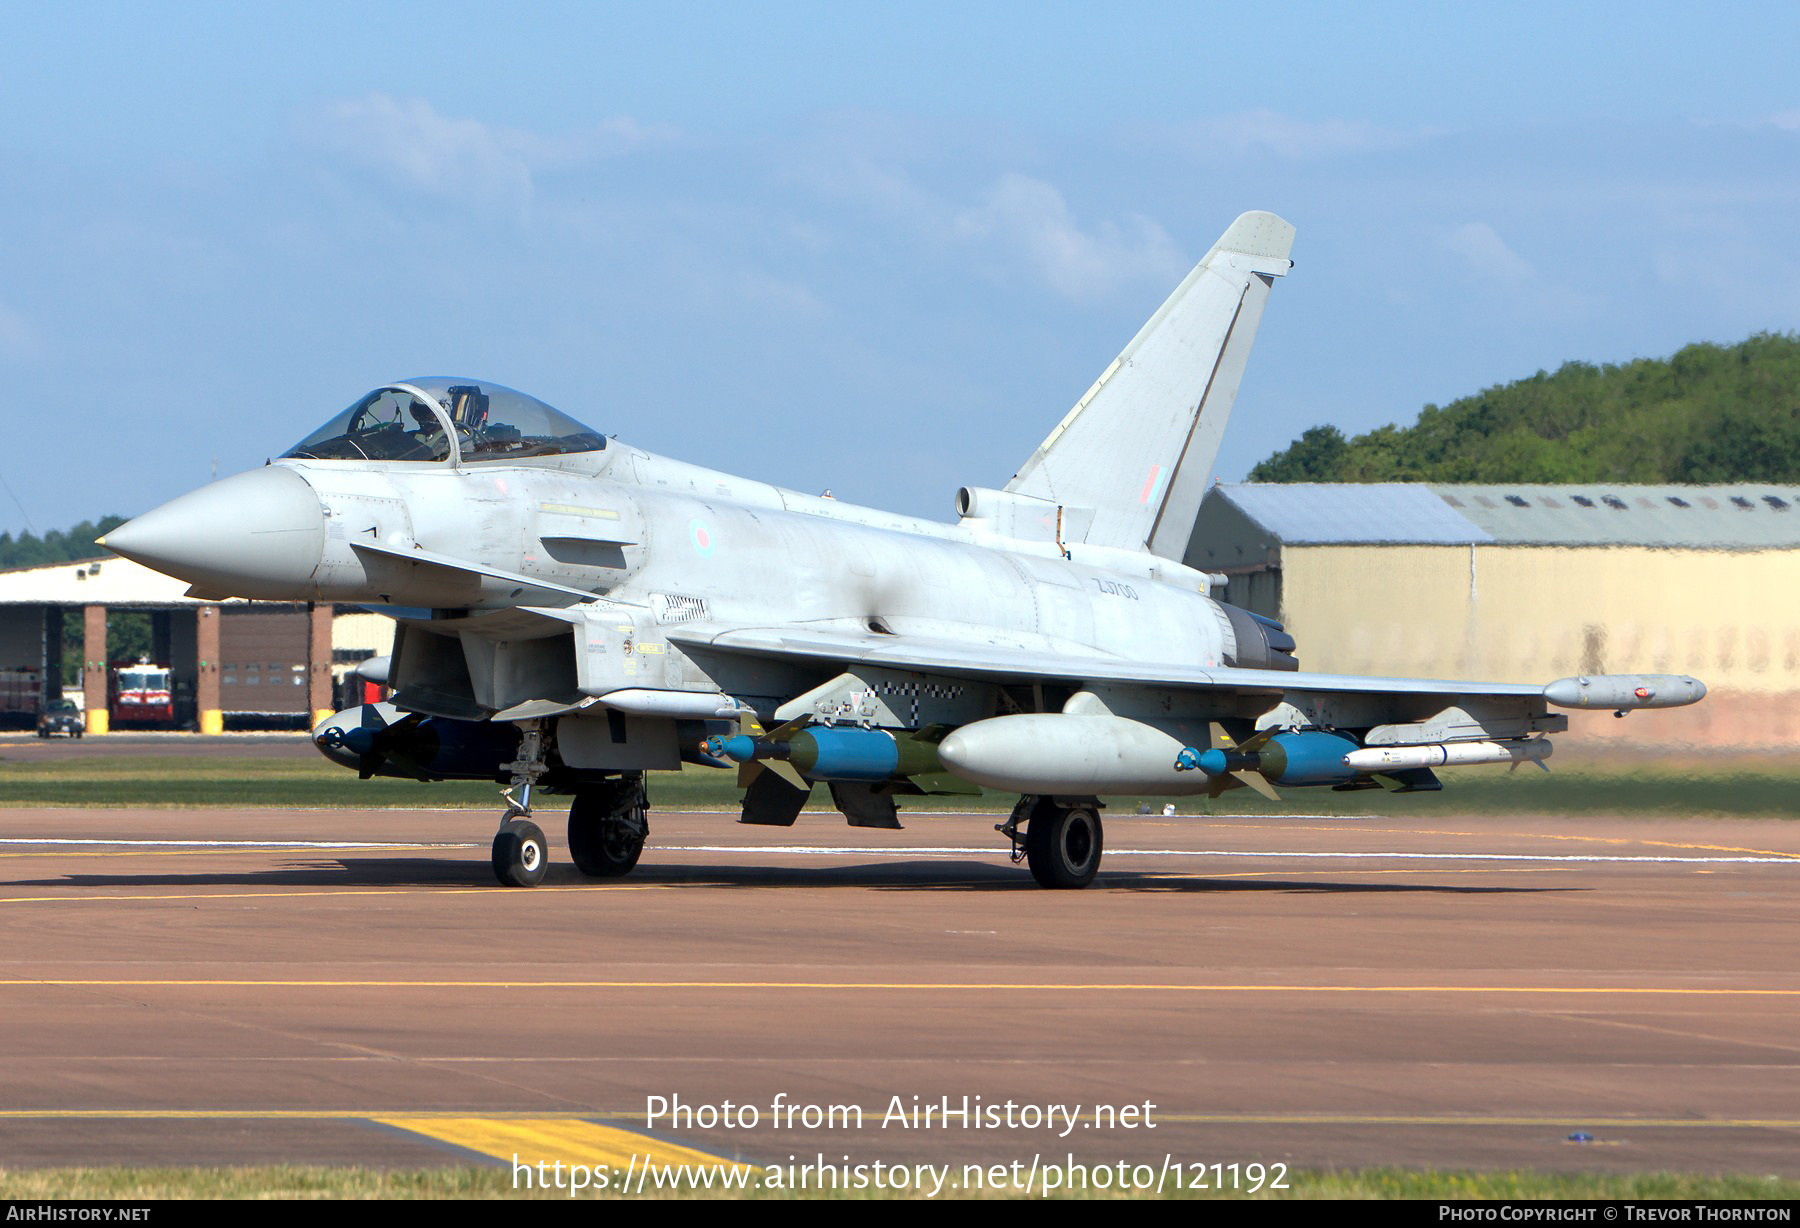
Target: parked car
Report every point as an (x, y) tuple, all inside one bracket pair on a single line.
[(63, 717)]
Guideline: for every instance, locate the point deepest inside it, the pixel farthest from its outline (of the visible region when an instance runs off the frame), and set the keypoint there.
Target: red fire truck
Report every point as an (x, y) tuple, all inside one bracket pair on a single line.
[(140, 693)]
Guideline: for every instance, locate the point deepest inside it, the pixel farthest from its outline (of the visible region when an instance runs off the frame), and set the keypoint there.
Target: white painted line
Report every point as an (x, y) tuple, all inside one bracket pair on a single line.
[(919, 850), (1794, 860), (240, 844), (989, 850)]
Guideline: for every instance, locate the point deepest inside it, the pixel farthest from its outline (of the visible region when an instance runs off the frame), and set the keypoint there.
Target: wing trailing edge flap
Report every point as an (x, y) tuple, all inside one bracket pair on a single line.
[(1008, 664)]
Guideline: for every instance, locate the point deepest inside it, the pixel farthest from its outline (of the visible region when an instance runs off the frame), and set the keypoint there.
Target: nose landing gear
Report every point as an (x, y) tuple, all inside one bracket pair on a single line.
[(608, 822), (521, 855)]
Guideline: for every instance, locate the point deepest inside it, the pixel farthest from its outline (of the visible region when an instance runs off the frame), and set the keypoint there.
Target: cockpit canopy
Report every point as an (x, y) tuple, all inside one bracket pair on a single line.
[(447, 419)]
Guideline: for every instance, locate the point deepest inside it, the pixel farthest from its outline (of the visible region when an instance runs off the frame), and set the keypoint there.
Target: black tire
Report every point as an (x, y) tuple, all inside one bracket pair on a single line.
[(601, 844), (1063, 845), (521, 854)]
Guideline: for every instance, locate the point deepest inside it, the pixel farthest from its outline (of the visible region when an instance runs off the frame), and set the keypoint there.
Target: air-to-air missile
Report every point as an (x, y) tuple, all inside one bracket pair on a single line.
[(1399, 758)]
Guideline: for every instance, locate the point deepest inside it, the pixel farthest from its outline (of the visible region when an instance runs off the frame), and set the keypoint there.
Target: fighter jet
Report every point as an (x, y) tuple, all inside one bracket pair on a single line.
[(573, 612)]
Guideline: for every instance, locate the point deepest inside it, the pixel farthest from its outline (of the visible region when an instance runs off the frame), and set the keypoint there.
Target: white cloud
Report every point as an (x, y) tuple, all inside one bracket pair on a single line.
[(409, 143), (1486, 253), (19, 341), (928, 186), (862, 158), (745, 288), (1031, 218), (1733, 272), (1288, 137), (1512, 282)]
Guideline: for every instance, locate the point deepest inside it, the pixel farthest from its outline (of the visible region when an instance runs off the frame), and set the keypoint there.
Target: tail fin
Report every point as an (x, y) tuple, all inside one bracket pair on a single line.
[(1139, 447)]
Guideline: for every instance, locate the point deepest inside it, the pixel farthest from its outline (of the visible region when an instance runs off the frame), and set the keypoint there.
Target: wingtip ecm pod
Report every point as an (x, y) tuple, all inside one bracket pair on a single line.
[(1625, 692), (1131, 460)]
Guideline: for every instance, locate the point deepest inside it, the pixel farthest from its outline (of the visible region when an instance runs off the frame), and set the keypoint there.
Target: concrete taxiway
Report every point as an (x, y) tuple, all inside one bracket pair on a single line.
[(233, 987)]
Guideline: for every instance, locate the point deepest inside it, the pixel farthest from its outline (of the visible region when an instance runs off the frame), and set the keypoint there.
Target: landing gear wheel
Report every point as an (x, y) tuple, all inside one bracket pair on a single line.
[(520, 854), (1063, 844), (607, 830)]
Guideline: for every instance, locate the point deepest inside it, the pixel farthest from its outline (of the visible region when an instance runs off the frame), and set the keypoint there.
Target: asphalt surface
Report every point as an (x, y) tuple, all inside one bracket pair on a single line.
[(351, 988), (23, 746)]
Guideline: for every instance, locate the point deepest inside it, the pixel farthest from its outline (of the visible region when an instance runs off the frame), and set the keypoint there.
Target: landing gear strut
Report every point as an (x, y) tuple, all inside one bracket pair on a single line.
[(521, 854), (607, 827), (1062, 842)]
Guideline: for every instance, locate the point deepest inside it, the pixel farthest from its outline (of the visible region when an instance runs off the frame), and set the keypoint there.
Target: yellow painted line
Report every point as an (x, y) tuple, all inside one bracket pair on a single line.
[(400, 1117), (1662, 844), (301, 892), (1201, 876), (548, 1140), (1534, 835), (903, 986), (1719, 848), (308, 893), (65, 854)]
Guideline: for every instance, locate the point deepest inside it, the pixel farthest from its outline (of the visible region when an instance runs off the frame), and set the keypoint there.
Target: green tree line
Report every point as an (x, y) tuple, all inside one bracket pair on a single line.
[(1707, 414), (56, 546), (127, 631)]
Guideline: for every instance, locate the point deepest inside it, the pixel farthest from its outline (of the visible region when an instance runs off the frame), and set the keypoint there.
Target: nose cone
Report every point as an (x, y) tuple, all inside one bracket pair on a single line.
[(258, 534)]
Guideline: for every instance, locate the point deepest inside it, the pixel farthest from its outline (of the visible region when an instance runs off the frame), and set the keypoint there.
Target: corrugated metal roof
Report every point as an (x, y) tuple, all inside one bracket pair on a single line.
[(1319, 513), (1679, 517), (1671, 517)]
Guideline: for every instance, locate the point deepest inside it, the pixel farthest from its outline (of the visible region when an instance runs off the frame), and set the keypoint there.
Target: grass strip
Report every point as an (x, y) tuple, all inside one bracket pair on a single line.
[(1761, 789)]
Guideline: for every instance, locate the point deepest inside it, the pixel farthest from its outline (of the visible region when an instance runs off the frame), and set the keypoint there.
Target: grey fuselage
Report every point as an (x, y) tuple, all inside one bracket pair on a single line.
[(691, 546)]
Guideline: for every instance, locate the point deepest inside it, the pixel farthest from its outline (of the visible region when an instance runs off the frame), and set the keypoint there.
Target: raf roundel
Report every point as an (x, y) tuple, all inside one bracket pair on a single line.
[(701, 537)]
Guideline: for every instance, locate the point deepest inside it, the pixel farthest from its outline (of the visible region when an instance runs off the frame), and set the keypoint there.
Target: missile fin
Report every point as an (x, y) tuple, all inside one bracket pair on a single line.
[(1238, 780), (785, 770), (1255, 781)]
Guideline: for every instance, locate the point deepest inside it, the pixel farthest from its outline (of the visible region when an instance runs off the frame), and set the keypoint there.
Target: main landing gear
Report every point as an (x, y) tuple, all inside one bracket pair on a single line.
[(1062, 841), (607, 827), (608, 822)]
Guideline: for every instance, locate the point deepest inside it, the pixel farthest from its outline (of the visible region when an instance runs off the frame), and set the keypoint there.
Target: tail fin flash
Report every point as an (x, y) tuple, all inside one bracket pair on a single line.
[(1139, 447)]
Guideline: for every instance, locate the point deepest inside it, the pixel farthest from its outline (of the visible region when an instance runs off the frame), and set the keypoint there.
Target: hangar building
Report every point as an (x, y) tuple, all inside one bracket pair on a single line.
[(1533, 583), (258, 661)]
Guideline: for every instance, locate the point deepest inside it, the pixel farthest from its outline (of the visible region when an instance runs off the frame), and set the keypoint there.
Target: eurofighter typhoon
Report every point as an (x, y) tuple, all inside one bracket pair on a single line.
[(573, 612)]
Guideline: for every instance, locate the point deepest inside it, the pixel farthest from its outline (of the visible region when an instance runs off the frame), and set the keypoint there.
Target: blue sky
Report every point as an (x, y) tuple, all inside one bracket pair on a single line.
[(876, 249)]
